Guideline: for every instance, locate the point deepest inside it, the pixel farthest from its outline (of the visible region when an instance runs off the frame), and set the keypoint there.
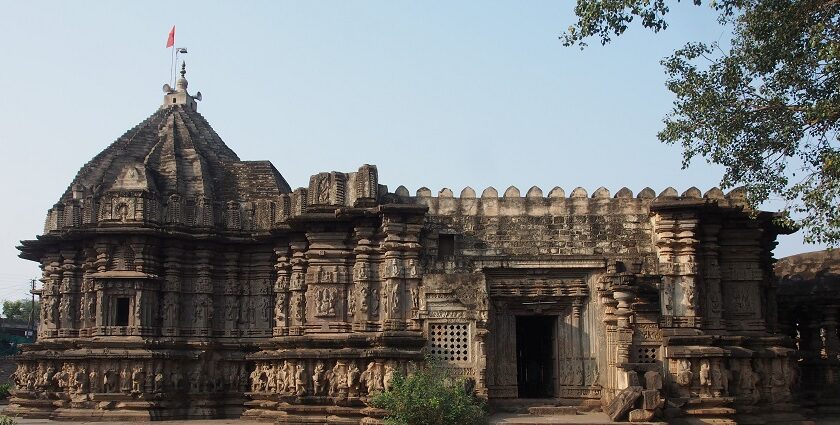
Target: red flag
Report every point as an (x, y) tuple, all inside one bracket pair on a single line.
[(171, 40)]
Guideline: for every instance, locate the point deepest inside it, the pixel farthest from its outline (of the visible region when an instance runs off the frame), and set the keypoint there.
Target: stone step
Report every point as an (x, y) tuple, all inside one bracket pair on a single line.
[(575, 419), (553, 410)]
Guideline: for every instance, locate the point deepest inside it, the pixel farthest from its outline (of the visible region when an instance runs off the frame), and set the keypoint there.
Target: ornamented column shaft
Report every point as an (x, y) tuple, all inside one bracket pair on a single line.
[(232, 292), (68, 305), (170, 313), (297, 286), (360, 298), (413, 271), (393, 290), (709, 251), (281, 291), (203, 294)]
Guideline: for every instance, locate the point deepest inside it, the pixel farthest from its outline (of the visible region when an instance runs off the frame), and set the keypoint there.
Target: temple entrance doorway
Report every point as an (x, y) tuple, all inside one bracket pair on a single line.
[(535, 356)]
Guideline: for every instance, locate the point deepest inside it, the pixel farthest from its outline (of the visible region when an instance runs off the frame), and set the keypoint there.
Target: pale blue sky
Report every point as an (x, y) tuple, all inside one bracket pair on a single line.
[(435, 93)]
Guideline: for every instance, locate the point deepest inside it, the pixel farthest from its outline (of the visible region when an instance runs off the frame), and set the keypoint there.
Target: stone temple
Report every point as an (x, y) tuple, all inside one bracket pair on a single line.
[(182, 282)]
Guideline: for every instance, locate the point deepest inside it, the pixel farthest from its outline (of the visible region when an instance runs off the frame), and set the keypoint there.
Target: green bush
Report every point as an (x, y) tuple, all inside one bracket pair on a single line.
[(7, 420), (4, 394), (431, 396)]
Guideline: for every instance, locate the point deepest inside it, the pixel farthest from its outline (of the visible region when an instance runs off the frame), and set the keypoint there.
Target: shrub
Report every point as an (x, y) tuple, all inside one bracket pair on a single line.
[(5, 389), (431, 396), (7, 420)]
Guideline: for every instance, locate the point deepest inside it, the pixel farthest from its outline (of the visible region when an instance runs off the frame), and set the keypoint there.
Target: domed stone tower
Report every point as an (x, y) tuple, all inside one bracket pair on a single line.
[(169, 262)]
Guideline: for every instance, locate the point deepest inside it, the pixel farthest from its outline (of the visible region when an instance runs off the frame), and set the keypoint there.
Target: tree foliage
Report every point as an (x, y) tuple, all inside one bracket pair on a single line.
[(19, 309), (765, 106), (430, 396)]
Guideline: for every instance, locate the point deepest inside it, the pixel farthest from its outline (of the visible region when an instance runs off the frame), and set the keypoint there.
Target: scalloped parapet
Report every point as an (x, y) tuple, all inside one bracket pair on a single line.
[(534, 203)]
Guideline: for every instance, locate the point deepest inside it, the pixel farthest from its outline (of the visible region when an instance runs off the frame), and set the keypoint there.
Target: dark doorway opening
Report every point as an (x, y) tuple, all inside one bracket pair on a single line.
[(121, 313), (535, 356)]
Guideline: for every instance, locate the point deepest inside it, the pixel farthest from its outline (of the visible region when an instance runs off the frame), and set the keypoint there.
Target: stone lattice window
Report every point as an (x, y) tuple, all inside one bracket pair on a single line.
[(646, 354), (449, 341)]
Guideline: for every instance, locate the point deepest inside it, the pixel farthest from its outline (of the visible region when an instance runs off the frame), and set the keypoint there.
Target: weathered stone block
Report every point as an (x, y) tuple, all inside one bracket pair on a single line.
[(623, 402), (641, 415), (650, 399)]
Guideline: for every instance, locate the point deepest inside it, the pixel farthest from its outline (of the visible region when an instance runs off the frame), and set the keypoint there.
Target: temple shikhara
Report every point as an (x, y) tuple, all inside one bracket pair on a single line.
[(180, 281)]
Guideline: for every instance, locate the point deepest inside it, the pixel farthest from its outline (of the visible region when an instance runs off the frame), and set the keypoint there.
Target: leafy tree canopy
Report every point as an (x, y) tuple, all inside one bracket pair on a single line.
[(19, 309), (765, 106)]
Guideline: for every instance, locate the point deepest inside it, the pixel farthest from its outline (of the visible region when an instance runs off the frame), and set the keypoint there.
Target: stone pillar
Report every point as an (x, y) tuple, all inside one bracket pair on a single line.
[(68, 289), (88, 298), (171, 294), (360, 303), (413, 273), (709, 250), (623, 334), (49, 294), (297, 287), (232, 292), (203, 311), (676, 249), (281, 291), (393, 289)]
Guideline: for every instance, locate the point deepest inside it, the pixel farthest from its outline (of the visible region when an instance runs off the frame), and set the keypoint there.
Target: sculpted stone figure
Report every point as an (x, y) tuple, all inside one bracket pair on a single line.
[(110, 381), (62, 377), (158, 382), (300, 308), (280, 309), (415, 298), (377, 378), (231, 311), (717, 379), (47, 379), (705, 379), (264, 377), (255, 380), (91, 308), (288, 373), (413, 270), (80, 378), (388, 377), (297, 281), (394, 268), (688, 300), (395, 301), (684, 374), (325, 302), (64, 307), (265, 309), (125, 381), (93, 379), (319, 382), (300, 380), (367, 378), (138, 380), (361, 271), (374, 302), (353, 375), (364, 294)]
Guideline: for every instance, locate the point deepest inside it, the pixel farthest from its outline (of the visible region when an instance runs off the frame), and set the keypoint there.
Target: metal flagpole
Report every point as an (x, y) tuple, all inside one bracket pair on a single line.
[(172, 67)]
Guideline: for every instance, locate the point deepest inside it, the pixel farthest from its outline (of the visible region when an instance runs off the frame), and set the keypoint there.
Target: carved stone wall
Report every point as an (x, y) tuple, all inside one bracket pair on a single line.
[(182, 282)]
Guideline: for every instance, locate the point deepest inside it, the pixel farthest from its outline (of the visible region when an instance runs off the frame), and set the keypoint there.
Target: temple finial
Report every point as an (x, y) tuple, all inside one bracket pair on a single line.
[(181, 84), (180, 96)]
